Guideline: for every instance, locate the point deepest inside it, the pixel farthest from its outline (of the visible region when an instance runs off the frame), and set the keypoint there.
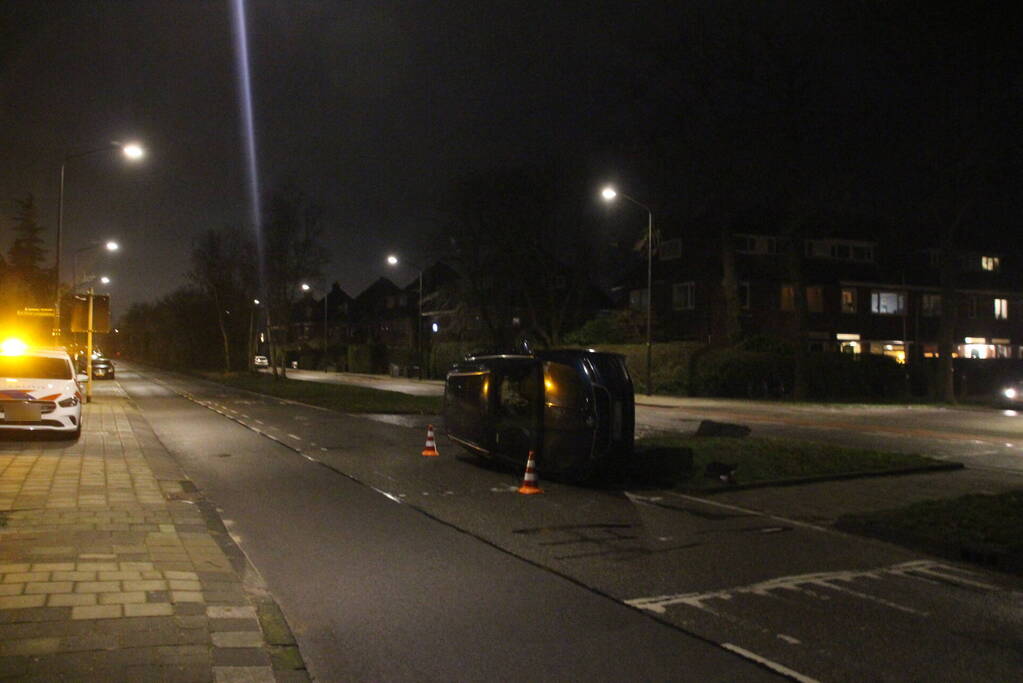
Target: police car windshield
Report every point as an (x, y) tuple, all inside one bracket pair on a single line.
[(34, 367)]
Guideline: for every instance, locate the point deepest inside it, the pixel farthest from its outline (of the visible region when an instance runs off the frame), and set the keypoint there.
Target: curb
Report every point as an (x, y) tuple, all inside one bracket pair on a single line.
[(771, 483)]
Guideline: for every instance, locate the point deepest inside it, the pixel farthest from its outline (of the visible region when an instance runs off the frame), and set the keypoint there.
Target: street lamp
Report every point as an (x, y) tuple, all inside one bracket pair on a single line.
[(306, 288), (609, 194), (393, 260), (132, 151), (110, 245)]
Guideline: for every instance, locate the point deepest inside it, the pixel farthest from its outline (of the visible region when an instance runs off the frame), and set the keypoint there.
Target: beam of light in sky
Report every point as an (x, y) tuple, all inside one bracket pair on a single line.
[(248, 127)]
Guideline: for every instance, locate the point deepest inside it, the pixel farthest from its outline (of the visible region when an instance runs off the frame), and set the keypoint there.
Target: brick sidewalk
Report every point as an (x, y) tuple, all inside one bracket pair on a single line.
[(113, 567)]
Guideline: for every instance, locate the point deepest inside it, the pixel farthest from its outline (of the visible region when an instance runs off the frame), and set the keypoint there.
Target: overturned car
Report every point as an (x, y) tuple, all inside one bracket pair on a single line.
[(574, 408)]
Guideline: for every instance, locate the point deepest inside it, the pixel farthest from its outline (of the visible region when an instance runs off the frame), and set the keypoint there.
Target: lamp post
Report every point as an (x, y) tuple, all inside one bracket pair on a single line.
[(393, 260), (306, 288), (88, 343), (133, 152), (110, 245), (252, 332), (610, 194)]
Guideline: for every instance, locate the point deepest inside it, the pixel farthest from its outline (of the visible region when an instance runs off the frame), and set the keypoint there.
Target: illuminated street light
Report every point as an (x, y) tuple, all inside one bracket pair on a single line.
[(110, 246), (393, 260), (305, 288), (105, 280), (132, 151), (610, 194)]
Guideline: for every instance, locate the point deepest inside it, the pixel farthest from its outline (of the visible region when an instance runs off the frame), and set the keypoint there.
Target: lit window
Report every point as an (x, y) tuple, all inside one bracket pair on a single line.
[(683, 296), (1001, 309), (849, 300), (989, 263), (787, 302), (930, 305), (887, 303), (814, 300)]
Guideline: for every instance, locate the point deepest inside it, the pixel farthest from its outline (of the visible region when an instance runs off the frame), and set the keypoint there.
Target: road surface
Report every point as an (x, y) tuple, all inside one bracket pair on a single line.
[(394, 566)]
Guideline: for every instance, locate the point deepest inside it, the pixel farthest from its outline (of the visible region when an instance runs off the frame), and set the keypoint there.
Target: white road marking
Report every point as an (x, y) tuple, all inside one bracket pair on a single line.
[(774, 666), (259, 422), (789, 639), (737, 508), (295, 437), (799, 582)]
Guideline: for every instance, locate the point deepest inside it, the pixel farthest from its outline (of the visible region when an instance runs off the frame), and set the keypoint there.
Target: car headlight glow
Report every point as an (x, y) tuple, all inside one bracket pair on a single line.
[(1009, 392)]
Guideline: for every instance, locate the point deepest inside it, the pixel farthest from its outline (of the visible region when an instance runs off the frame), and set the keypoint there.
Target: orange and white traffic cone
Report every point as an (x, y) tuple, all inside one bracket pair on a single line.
[(529, 479), (431, 444)]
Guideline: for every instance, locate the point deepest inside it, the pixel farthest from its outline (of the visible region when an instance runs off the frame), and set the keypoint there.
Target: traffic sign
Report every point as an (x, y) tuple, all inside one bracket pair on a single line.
[(37, 312)]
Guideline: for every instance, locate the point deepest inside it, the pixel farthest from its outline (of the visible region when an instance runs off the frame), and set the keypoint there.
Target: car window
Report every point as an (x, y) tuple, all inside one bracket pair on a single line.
[(34, 367)]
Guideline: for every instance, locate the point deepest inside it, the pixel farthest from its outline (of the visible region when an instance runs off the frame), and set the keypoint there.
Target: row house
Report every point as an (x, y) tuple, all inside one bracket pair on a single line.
[(859, 299)]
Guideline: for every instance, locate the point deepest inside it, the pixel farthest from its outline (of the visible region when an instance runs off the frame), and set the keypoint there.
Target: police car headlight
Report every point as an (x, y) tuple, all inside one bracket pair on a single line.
[(68, 402)]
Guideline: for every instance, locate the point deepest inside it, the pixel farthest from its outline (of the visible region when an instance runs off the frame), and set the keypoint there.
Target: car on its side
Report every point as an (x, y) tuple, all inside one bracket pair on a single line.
[(261, 362), (39, 390)]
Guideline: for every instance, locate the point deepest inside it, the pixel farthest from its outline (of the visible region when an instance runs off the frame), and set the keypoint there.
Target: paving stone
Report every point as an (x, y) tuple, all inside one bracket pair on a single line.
[(234, 625), (53, 567), (121, 598), (186, 576), (146, 585), (186, 596), (73, 576), (11, 588), (149, 609), (231, 612), (21, 601), (48, 587), (96, 612), (14, 568), (33, 614), (71, 599), (240, 656), (99, 586), (237, 639), (120, 576), (190, 609), (29, 646), (97, 566), (25, 577)]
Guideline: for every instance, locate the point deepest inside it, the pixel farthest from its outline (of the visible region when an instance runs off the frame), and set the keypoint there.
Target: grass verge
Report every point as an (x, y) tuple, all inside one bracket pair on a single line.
[(761, 461), (981, 528), (342, 397)]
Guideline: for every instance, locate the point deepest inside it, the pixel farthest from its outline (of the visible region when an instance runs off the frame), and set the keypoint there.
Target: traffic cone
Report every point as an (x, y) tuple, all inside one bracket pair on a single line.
[(529, 479), (431, 444)]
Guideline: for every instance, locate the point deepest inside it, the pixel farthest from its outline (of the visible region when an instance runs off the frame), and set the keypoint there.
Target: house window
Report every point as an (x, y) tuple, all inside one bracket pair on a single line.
[(930, 305), (1001, 309), (971, 306), (744, 296), (848, 300), (991, 263), (887, 302), (814, 300), (670, 249), (840, 251), (683, 296), (787, 301), (771, 245)]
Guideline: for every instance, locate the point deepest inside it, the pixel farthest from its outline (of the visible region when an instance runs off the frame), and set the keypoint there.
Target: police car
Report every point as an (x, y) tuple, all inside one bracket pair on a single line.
[(39, 390)]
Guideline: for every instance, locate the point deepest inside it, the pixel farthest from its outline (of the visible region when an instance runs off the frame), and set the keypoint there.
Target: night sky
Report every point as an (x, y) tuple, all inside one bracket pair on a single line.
[(375, 108)]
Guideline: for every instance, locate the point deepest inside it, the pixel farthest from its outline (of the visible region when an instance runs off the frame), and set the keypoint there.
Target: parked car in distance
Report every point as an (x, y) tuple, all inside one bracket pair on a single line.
[(39, 390), (260, 362), (102, 367)]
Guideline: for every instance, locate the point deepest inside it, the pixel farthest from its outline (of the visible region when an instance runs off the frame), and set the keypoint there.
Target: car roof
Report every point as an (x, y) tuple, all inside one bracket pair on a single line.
[(45, 351)]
